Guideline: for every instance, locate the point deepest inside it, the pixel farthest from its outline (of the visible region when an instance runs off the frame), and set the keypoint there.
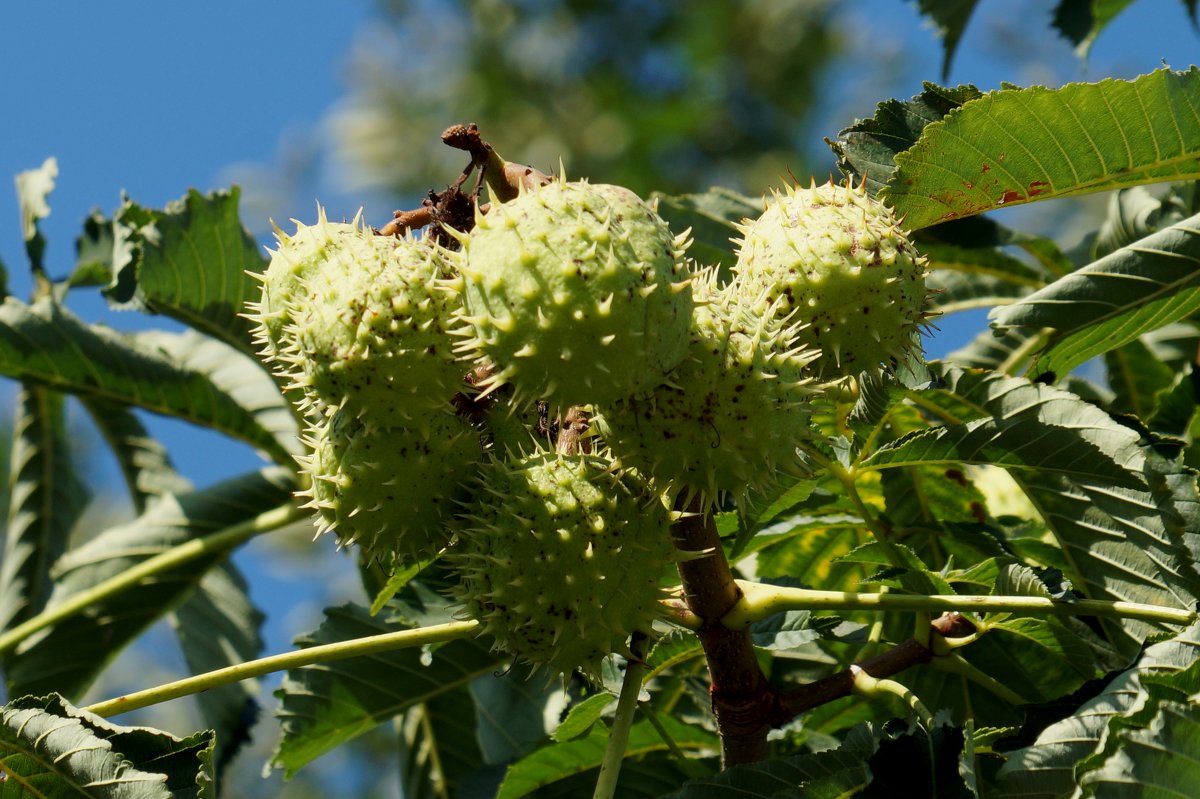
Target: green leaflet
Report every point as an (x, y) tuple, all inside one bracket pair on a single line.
[(188, 261), (46, 499), (56, 751), (45, 343), (1046, 768), (1132, 291), (1123, 515), (1018, 145)]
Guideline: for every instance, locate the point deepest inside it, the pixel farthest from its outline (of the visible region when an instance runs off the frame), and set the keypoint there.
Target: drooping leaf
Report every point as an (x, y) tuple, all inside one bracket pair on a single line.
[(325, 705), (949, 18), (45, 343), (143, 460), (218, 626), (239, 377), (46, 499), (1114, 300), (868, 148), (1087, 475), (1133, 213), (1017, 145), (1007, 354), (1046, 769), (558, 761), (67, 656), (188, 261), (54, 750)]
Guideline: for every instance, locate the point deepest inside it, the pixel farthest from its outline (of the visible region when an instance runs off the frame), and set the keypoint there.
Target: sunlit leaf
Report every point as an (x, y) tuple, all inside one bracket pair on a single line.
[(189, 261), (558, 761), (1017, 145), (1123, 515), (1046, 769)]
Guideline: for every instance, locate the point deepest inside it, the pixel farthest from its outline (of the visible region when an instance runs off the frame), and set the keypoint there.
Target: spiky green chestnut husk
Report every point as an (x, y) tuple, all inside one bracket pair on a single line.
[(732, 414), (361, 321), (838, 260), (390, 491), (561, 559), (297, 257), (577, 292)]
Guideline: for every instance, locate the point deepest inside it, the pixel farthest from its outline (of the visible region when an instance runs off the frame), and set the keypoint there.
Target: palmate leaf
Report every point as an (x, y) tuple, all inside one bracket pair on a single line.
[(325, 705), (1123, 515), (66, 657), (45, 343), (53, 750), (511, 710), (1046, 769), (1114, 300), (1017, 145), (46, 498), (188, 261)]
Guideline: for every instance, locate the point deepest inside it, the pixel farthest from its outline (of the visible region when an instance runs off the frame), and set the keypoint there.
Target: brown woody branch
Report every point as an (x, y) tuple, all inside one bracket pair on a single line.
[(743, 700)]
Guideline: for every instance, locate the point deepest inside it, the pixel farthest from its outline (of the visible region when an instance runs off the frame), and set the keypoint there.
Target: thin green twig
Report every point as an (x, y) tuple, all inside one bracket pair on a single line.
[(355, 647), (618, 736), (760, 601)]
